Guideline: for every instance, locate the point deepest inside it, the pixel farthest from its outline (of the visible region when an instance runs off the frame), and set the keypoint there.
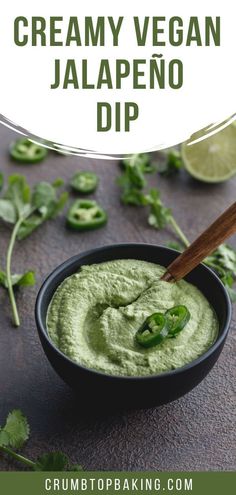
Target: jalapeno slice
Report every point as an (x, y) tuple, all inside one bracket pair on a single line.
[(153, 331), (25, 151), (176, 318), (86, 215), (84, 182)]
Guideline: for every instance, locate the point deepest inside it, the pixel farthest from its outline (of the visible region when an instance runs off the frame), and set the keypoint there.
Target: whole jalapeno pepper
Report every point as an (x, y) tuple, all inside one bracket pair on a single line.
[(25, 151), (86, 214), (153, 331), (84, 182), (176, 318)]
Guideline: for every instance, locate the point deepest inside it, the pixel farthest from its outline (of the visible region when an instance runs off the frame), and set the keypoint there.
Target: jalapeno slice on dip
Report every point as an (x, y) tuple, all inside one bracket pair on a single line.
[(86, 214), (176, 318), (158, 326), (25, 151), (153, 331), (84, 182)]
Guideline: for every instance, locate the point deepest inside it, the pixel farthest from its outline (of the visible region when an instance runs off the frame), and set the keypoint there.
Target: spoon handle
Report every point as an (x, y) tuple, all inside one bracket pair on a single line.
[(223, 227)]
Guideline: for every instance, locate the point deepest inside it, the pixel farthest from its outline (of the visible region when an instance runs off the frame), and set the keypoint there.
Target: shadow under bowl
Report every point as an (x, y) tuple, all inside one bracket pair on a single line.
[(94, 388)]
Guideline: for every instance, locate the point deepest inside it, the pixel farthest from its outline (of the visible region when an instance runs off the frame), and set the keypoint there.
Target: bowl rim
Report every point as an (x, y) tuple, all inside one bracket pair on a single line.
[(70, 261)]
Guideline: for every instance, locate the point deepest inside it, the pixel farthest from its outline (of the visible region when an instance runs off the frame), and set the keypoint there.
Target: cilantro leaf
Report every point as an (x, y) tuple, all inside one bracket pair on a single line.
[(133, 196), (13, 436), (54, 461), (16, 428), (133, 176), (46, 206), (226, 256), (43, 195), (1, 180), (232, 293), (25, 280), (18, 280), (132, 180), (223, 262), (58, 205)]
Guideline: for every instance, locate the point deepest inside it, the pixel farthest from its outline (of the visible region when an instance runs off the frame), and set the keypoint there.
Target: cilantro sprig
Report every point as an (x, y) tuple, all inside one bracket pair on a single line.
[(160, 216), (25, 210), (13, 436)]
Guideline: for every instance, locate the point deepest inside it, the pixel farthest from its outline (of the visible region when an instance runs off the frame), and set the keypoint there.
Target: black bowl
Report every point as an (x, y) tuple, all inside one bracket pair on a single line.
[(133, 391)]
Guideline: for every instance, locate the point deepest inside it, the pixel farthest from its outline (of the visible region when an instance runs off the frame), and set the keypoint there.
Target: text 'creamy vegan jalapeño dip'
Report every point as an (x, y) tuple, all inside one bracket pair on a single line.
[(94, 316)]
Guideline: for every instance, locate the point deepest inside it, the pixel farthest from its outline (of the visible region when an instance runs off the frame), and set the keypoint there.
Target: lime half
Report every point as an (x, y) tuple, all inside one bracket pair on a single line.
[(212, 159)]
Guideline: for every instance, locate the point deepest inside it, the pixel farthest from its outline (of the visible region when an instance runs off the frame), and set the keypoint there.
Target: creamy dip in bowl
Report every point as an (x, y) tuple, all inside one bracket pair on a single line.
[(90, 308), (94, 316)]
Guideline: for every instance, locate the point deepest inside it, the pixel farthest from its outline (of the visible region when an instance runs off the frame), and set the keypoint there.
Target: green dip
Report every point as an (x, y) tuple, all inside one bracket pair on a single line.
[(94, 315)]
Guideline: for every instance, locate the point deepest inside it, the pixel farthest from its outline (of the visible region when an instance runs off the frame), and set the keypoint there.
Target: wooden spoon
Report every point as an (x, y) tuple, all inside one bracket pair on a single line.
[(223, 227)]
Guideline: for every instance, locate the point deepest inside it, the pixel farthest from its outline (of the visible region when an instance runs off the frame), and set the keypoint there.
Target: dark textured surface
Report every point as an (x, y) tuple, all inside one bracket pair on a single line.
[(197, 432)]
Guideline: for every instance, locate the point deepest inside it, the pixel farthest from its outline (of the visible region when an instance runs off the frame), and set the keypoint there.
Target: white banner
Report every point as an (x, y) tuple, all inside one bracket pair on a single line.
[(117, 77)]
